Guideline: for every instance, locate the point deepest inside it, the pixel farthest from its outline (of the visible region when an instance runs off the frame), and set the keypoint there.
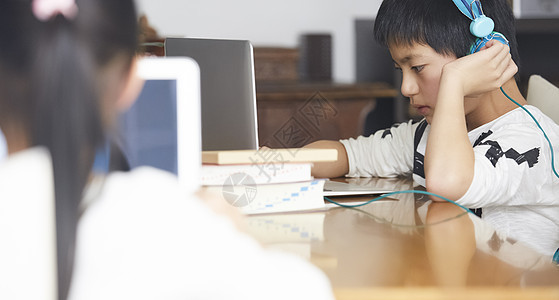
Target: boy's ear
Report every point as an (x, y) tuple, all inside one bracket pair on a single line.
[(132, 87)]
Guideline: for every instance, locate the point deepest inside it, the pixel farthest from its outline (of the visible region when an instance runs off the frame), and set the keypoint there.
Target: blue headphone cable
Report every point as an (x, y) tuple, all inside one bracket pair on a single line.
[(396, 193)]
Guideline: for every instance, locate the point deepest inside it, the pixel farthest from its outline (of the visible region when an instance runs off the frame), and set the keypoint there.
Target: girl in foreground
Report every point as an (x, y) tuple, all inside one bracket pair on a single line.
[(66, 67)]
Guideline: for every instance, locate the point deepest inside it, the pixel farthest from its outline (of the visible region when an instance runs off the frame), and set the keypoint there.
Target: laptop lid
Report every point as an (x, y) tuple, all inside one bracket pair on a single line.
[(228, 92), (336, 188), (162, 128)]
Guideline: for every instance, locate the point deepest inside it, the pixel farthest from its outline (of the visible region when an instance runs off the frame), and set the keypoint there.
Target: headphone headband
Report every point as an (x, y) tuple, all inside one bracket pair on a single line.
[(465, 8), (481, 25)]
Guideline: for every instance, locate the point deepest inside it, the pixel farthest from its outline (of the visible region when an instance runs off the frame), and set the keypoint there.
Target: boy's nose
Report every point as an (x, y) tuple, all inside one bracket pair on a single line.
[(409, 87)]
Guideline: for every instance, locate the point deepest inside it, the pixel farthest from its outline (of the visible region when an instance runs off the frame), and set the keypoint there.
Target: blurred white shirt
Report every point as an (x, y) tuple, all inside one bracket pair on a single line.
[(141, 238)]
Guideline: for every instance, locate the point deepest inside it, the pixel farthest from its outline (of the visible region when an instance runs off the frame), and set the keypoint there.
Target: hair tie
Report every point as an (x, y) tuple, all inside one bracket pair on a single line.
[(45, 10)]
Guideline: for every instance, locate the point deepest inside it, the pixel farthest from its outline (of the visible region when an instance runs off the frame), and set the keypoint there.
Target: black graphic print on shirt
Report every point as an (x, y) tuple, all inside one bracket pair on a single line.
[(418, 158), (388, 131), (495, 152)]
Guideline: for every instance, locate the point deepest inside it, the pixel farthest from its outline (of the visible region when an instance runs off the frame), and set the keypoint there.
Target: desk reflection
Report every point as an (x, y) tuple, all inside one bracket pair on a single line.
[(404, 241)]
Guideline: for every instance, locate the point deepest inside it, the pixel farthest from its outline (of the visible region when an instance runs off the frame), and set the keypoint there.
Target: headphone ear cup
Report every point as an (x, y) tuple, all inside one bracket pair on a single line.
[(482, 26)]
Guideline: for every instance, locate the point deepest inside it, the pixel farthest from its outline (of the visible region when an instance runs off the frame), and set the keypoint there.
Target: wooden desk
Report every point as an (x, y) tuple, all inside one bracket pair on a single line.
[(406, 248), (292, 113)]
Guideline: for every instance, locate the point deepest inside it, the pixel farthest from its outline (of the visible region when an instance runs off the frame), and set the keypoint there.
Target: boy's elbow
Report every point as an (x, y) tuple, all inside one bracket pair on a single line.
[(449, 186)]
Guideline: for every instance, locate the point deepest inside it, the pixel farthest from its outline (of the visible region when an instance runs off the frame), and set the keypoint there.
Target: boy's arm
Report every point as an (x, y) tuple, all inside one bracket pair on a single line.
[(449, 159), (337, 168)]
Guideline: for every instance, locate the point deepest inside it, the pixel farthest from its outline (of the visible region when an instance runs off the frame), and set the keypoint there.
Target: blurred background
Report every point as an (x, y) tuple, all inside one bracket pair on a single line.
[(331, 41)]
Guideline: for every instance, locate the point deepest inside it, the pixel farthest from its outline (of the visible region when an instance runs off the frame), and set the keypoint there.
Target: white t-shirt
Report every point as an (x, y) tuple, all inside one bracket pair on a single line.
[(513, 180), (142, 239)]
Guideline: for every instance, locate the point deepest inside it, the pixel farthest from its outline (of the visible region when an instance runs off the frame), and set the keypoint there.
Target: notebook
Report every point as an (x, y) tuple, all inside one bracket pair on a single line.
[(162, 128), (228, 92)]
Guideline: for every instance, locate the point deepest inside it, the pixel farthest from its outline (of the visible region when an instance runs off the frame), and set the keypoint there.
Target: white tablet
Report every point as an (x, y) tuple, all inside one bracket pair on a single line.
[(162, 128)]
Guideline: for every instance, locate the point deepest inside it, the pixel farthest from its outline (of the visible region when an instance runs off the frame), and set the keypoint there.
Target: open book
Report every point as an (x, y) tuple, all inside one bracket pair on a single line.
[(270, 198)]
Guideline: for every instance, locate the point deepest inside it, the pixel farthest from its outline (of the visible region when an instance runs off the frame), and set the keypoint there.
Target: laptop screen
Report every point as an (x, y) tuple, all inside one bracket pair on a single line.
[(150, 127)]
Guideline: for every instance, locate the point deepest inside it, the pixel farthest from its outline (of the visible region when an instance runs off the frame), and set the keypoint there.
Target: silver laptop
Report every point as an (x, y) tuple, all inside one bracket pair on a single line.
[(336, 188), (228, 92)]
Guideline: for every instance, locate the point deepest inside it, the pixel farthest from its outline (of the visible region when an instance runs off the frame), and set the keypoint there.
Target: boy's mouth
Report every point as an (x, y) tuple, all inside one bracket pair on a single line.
[(422, 109)]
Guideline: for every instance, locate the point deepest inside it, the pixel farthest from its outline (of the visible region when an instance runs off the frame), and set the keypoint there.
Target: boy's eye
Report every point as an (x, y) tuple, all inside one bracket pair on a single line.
[(417, 68), (398, 68)]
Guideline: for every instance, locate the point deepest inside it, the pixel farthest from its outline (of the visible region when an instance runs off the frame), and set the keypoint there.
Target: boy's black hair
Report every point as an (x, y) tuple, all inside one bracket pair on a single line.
[(439, 24)]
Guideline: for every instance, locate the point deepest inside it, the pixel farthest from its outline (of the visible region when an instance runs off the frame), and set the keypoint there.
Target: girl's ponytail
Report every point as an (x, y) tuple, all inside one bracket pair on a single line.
[(66, 120)]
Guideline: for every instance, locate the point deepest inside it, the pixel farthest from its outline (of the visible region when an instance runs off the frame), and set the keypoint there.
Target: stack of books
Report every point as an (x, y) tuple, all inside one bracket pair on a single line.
[(266, 180)]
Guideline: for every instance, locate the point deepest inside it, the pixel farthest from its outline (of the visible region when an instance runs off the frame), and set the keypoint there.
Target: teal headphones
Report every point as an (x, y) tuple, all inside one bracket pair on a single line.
[(481, 26)]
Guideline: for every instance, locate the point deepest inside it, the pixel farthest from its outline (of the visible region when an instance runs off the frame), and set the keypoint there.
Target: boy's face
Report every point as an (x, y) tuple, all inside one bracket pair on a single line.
[(421, 69)]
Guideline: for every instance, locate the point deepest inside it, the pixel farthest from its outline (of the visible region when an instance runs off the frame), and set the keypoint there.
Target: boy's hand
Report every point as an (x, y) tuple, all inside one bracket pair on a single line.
[(483, 71)]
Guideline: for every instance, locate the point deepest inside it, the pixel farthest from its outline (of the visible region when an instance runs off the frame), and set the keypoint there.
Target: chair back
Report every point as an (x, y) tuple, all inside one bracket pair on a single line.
[(544, 95)]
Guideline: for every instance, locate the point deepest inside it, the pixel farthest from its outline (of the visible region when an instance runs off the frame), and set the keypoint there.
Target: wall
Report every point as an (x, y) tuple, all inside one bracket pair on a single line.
[(265, 23)]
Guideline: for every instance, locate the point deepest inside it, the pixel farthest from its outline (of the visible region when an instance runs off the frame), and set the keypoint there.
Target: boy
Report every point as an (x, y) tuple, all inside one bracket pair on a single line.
[(474, 145)]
